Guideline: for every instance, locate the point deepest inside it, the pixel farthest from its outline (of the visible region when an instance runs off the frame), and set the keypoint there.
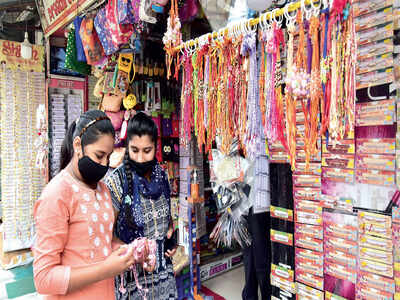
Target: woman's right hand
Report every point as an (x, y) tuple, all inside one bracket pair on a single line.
[(119, 261)]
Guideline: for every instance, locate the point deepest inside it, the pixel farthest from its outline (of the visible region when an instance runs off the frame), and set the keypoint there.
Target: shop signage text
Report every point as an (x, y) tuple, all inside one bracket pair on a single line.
[(10, 54)]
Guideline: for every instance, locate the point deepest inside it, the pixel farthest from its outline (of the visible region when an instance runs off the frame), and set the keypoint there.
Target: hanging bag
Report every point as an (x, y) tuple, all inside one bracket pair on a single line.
[(94, 51), (80, 53), (105, 36), (120, 33), (71, 61)]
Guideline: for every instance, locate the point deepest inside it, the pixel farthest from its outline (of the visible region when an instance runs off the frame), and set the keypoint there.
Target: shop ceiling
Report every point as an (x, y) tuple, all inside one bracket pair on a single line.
[(16, 16)]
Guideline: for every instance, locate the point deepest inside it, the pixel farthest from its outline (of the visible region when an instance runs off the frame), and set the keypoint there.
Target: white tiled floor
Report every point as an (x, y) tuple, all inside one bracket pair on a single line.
[(228, 285)]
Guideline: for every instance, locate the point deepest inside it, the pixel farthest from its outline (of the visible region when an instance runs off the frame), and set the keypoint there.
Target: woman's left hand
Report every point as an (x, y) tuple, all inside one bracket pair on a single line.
[(170, 253)]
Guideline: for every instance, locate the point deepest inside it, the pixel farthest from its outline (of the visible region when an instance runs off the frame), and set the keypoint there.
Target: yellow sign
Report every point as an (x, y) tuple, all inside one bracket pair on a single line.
[(10, 54)]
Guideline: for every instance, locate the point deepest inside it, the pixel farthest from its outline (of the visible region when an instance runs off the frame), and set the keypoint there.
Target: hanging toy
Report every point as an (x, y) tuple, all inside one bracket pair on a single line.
[(129, 101), (123, 73)]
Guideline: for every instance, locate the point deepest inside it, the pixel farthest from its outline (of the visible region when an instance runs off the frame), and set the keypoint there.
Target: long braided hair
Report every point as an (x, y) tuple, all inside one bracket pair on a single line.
[(139, 125)]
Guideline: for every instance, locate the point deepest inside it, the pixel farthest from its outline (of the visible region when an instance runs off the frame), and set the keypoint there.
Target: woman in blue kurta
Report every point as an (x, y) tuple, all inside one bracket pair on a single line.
[(141, 199)]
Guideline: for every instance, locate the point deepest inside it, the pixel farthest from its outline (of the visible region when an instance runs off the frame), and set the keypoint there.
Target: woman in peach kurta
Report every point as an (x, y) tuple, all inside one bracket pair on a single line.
[(73, 256)]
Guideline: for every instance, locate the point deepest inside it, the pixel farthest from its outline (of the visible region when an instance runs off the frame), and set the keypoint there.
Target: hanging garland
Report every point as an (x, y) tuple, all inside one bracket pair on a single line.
[(226, 94)]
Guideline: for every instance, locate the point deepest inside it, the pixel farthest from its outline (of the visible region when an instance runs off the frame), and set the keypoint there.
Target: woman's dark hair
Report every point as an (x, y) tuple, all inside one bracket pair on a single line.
[(140, 125), (90, 126)]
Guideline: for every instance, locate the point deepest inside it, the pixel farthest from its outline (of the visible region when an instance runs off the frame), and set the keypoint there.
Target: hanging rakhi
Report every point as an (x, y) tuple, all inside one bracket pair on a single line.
[(172, 38), (280, 123), (271, 115), (350, 71), (212, 96), (234, 86), (325, 69), (199, 105), (310, 105), (293, 85), (187, 98), (263, 71), (252, 136)]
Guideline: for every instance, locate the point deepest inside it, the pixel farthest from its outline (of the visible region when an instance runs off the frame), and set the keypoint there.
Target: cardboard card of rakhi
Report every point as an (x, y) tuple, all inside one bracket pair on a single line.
[(342, 272), (308, 206), (376, 161), (376, 146), (301, 156), (306, 292), (365, 7), (376, 177), (340, 147), (306, 181), (307, 193), (335, 202), (342, 161), (338, 175), (336, 256), (378, 282), (310, 279), (375, 78), (306, 217), (374, 18), (340, 230), (375, 48), (374, 34), (374, 63), (385, 257), (278, 157), (313, 169), (310, 230), (282, 272), (376, 113), (308, 242), (365, 291)]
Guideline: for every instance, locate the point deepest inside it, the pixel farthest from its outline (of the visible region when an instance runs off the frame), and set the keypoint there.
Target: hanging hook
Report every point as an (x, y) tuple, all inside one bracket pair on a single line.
[(290, 20), (316, 8), (280, 17), (307, 12)]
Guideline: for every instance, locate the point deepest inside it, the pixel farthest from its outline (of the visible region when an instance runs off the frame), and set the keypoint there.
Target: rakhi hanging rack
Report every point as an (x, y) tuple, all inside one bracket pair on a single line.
[(291, 7)]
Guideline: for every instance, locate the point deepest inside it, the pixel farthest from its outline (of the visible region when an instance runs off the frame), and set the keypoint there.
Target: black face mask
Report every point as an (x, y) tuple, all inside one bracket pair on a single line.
[(142, 168), (91, 171)]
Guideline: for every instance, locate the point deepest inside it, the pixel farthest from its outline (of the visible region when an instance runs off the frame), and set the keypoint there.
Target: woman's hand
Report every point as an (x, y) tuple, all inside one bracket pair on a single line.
[(119, 261)]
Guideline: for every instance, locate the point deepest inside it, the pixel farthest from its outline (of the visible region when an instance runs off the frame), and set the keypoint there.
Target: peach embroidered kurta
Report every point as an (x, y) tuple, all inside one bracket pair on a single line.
[(74, 227)]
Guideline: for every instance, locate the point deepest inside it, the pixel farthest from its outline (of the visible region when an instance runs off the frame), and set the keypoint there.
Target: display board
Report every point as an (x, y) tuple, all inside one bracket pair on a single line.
[(21, 93)]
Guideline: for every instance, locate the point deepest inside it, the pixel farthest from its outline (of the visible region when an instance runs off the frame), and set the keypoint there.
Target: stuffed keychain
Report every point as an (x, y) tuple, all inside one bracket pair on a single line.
[(124, 73)]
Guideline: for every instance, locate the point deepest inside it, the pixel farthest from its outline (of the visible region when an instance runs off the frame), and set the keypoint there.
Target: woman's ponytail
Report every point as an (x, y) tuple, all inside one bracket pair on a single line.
[(67, 149)]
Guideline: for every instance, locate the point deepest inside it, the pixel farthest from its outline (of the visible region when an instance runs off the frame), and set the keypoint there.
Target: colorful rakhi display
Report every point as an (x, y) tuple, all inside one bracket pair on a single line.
[(286, 90)]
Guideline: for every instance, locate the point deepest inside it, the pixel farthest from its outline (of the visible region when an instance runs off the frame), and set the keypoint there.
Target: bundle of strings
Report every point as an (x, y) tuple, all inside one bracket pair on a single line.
[(144, 253)]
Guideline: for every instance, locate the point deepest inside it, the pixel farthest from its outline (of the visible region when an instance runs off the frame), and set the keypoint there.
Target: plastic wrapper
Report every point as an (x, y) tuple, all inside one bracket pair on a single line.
[(231, 229)]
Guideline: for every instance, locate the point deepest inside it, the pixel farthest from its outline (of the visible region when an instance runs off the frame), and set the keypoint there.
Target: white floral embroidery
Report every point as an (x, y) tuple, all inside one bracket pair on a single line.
[(84, 208), (86, 197), (99, 197), (97, 206), (101, 228), (91, 254), (97, 241), (107, 205), (106, 196), (107, 239), (105, 216), (105, 251), (75, 188), (110, 227), (90, 229), (94, 217)]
